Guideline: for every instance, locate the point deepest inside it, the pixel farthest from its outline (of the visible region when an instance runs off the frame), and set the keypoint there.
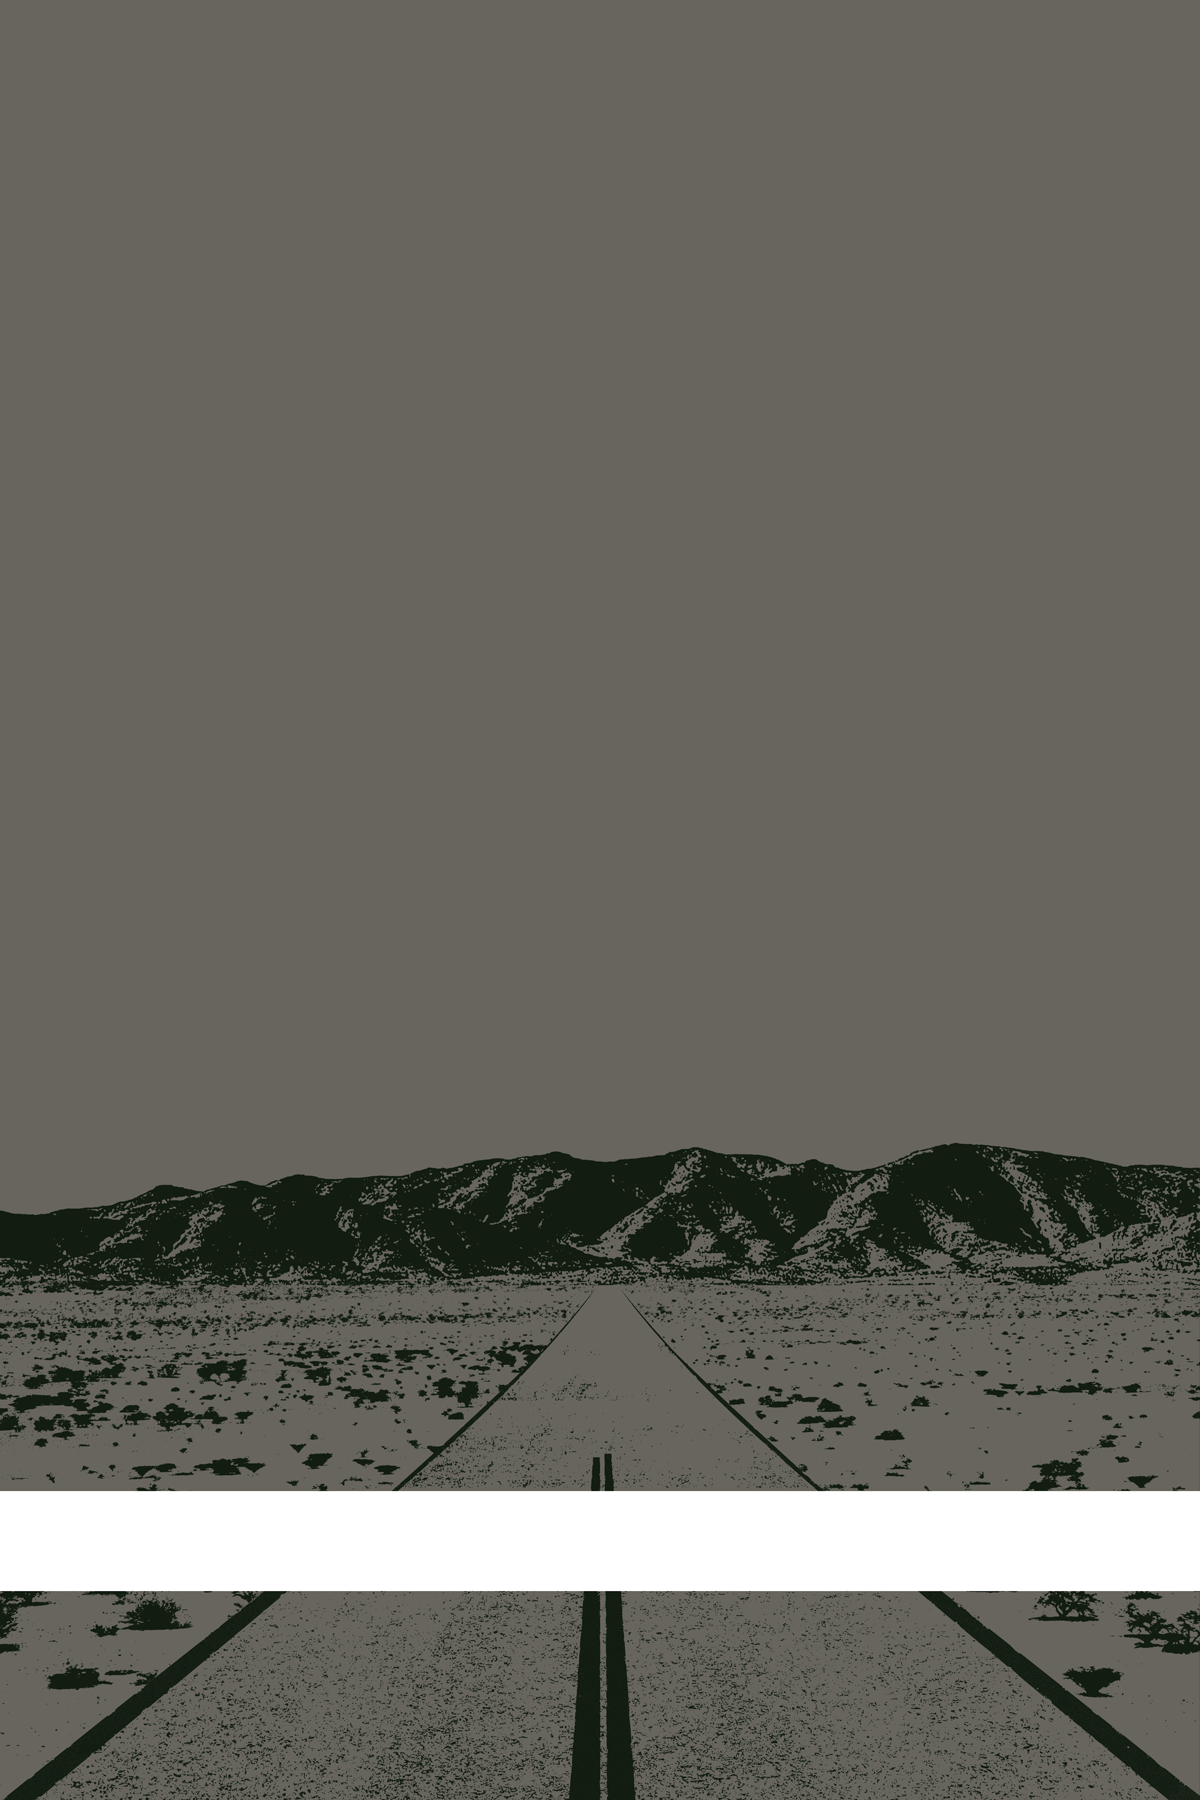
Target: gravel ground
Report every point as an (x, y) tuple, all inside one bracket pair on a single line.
[(977, 1383), (284, 1385), (371, 1695), (608, 1383), (928, 1381), (37, 1721), (769, 1696), (1157, 1700)]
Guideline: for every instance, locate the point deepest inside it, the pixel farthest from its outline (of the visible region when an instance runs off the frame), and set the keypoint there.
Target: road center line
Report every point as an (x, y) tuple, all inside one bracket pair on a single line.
[(585, 1751), (602, 1757)]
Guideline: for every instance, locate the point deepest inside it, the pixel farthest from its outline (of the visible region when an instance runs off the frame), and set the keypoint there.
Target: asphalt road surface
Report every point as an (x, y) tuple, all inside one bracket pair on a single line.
[(373, 1695), (772, 1696), (767, 1696), (608, 1381)]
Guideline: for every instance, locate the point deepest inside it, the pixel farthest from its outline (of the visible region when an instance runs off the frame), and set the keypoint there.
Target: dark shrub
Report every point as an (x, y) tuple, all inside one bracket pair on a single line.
[(880, 1435), (1146, 1627), (73, 1676), (153, 1613), (11, 1604), (1182, 1637), (1093, 1680), (106, 1630), (1071, 1471), (76, 1377), (212, 1371), (1069, 1606), (172, 1415)]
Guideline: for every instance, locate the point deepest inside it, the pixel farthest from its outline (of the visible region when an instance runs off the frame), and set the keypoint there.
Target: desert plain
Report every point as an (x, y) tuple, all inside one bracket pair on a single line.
[(916, 1381)]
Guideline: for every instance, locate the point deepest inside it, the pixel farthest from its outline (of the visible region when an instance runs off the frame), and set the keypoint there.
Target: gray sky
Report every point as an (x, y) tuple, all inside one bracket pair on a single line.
[(596, 581)]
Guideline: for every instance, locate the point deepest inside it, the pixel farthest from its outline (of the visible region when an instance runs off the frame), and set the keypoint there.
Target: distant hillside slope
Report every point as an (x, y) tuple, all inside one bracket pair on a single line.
[(964, 1206)]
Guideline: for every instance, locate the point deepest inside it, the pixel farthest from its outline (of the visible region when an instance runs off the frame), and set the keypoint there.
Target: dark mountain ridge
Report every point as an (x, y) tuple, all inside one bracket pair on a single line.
[(966, 1206)]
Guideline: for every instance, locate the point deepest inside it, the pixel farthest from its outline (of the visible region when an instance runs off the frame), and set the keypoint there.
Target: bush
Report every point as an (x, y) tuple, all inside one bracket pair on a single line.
[(105, 1630), (1051, 1471), (1182, 1638), (73, 1676), (1146, 1627), (154, 1614), (1093, 1680), (1070, 1606), (213, 1371), (11, 1604)]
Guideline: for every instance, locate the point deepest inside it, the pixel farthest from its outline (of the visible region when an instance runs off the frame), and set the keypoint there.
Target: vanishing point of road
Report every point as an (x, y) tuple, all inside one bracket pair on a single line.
[(609, 1381)]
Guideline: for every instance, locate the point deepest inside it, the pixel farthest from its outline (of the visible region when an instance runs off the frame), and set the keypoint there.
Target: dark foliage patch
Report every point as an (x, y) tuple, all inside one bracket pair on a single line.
[(73, 1676), (232, 1370)]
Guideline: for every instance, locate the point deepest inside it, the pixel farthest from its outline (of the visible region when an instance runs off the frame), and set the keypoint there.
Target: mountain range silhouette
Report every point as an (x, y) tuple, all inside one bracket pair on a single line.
[(956, 1206)]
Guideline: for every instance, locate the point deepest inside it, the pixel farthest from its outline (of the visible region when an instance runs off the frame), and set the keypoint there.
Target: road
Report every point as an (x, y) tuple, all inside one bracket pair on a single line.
[(779, 1695), (372, 1695), (767, 1696), (608, 1382)]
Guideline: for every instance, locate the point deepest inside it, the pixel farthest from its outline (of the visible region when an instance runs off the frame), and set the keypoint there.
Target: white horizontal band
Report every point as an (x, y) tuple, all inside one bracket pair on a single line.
[(644, 1542)]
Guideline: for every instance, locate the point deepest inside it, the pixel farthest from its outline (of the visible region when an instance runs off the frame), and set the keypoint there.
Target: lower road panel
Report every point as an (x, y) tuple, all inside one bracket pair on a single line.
[(841, 1695), (374, 1695), (582, 1696)]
